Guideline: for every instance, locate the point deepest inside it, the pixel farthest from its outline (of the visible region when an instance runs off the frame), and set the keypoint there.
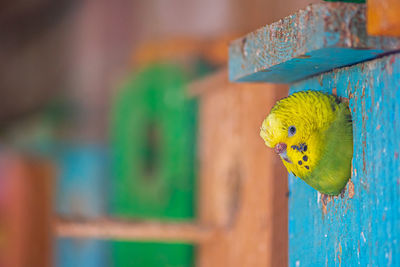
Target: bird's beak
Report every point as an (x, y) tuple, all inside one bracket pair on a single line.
[(280, 149)]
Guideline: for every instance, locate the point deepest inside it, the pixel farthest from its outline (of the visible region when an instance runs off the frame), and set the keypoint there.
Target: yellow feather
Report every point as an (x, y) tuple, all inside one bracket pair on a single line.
[(311, 113)]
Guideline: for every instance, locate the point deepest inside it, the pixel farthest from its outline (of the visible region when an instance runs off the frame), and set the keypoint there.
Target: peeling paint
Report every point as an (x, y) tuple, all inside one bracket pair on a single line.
[(291, 51), (350, 186), (363, 237), (364, 218), (340, 254)]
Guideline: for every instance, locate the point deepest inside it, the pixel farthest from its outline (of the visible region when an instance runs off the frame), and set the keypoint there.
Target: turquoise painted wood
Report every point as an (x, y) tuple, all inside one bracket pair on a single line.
[(312, 41), (363, 230), (81, 192)]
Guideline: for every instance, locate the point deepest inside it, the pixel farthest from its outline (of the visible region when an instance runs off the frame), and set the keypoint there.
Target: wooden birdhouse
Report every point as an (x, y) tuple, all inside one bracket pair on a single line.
[(325, 47), (242, 190)]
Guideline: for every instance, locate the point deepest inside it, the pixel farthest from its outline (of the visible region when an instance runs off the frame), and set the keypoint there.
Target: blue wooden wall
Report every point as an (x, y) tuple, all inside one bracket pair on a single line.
[(363, 230)]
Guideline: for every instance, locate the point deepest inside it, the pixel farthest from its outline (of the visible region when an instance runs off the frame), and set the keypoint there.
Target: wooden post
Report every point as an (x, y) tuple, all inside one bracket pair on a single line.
[(25, 211), (131, 230), (243, 187)]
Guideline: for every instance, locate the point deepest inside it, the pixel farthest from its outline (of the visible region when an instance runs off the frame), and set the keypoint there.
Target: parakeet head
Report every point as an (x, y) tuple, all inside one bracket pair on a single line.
[(294, 128)]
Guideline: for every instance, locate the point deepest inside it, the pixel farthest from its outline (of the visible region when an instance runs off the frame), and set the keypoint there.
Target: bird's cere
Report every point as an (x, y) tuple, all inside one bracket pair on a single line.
[(280, 148)]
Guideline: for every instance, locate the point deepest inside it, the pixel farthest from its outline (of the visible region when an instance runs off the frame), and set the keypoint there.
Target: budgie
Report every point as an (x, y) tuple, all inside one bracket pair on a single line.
[(312, 132)]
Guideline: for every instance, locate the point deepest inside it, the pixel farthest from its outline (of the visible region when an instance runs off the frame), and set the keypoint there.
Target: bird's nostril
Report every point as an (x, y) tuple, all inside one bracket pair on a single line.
[(280, 148)]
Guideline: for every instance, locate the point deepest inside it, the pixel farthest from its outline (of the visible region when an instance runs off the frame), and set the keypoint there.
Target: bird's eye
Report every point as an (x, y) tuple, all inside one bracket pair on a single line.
[(291, 131)]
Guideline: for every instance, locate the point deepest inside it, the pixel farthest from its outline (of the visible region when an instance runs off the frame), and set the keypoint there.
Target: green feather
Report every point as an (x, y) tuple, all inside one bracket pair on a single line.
[(334, 169)]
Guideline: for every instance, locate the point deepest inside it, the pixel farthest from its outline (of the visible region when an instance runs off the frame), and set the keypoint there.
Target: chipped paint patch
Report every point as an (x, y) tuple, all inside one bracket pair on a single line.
[(350, 190), (363, 237), (340, 255)]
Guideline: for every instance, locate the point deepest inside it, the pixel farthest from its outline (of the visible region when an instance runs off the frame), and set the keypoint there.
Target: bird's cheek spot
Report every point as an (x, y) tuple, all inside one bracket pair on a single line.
[(287, 160)]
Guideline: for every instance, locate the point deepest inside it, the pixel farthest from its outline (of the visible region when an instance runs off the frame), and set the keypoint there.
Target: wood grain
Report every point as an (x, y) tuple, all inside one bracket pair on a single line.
[(383, 17), (243, 185), (114, 229), (25, 211)]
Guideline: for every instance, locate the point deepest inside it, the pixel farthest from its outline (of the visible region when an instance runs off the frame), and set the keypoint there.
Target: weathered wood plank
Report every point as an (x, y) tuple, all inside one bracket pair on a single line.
[(302, 44), (26, 192), (363, 228), (113, 229), (383, 17), (242, 185)]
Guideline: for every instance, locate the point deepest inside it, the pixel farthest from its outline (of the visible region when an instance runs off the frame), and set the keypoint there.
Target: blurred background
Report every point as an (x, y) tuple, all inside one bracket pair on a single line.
[(96, 119)]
